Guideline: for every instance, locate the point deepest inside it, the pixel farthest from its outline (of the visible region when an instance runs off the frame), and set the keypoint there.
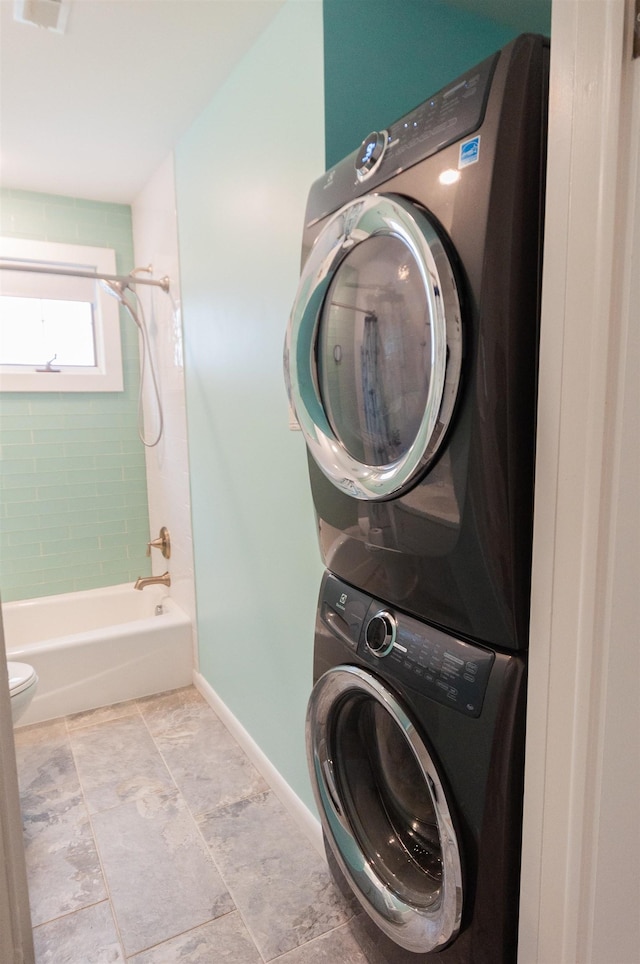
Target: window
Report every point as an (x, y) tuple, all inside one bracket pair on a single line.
[(58, 332)]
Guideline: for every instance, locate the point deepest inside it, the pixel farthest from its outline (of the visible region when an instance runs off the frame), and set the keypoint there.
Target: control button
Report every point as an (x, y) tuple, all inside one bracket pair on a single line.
[(380, 634), (370, 154)]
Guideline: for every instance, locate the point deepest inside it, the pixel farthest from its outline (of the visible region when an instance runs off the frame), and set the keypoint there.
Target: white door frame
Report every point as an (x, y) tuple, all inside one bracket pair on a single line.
[(16, 941), (586, 576)]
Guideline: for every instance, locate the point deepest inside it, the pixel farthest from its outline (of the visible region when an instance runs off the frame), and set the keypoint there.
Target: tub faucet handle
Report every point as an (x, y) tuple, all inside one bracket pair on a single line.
[(163, 542)]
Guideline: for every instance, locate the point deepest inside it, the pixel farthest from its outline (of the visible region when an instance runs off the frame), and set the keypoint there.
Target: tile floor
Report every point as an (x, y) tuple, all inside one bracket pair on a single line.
[(150, 838)]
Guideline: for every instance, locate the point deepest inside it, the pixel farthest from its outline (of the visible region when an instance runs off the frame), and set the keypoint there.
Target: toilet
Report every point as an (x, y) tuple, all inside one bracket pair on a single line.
[(23, 682)]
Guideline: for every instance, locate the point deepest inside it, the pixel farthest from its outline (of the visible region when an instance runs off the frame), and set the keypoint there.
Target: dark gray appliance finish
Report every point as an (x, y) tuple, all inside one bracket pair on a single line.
[(411, 356), (420, 800)]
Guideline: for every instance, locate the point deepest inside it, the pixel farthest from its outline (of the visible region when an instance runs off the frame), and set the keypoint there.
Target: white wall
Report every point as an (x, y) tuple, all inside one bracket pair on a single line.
[(156, 243)]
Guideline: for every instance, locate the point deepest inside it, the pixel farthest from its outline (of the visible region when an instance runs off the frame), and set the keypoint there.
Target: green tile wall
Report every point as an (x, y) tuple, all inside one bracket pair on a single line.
[(73, 489)]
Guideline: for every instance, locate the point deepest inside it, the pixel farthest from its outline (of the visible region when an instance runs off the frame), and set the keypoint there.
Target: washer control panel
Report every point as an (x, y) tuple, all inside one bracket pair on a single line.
[(442, 667)]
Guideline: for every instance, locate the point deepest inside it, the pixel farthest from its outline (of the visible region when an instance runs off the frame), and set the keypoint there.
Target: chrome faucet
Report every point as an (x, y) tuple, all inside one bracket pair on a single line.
[(143, 581)]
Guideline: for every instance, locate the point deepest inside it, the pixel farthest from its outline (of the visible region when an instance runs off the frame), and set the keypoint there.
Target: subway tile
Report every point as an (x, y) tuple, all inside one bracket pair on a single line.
[(115, 513), (92, 448), (22, 436), (28, 536), (28, 568), (108, 539), (68, 432), (14, 403), (55, 508), (32, 478), (21, 510), (28, 550), (29, 214), (74, 515), (83, 582), (119, 215), (79, 546), (21, 494), (125, 570), (137, 524), (88, 214), (14, 461), (83, 435), (114, 491), (135, 501), (100, 460), (67, 491), (131, 445), (97, 420), (93, 474), (78, 463), (98, 529), (15, 481), (47, 420), (135, 473)]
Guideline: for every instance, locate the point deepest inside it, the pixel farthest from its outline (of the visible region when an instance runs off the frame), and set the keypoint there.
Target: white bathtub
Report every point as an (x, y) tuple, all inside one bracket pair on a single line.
[(98, 647)]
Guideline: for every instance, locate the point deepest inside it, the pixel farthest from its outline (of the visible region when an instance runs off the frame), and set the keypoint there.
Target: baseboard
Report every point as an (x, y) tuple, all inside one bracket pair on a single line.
[(308, 823)]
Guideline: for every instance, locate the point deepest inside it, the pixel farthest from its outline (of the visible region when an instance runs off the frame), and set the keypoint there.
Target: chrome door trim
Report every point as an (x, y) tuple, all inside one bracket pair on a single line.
[(418, 929), (374, 215)]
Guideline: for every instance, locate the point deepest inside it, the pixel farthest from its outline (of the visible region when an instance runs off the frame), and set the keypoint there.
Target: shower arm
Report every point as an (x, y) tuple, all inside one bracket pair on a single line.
[(124, 280)]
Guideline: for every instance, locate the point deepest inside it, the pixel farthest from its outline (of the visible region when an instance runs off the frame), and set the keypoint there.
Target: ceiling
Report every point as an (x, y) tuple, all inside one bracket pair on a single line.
[(93, 112)]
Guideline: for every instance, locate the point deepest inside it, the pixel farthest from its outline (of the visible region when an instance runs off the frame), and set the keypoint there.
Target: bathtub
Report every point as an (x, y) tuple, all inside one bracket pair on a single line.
[(99, 647)]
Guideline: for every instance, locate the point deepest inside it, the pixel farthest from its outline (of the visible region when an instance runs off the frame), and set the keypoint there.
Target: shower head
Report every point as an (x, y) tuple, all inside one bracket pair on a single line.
[(114, 288)]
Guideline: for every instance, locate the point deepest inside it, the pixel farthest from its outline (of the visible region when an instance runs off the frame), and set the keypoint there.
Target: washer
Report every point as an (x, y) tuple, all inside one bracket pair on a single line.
[(415, 748), (411, 353)]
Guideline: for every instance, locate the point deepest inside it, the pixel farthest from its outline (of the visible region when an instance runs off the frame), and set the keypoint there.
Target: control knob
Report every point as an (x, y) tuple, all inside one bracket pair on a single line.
[(370, 154), (380, 634)]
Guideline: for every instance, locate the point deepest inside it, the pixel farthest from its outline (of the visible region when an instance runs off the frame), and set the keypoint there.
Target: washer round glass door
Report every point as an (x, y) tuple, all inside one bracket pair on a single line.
[(384, 810), (374, 346)]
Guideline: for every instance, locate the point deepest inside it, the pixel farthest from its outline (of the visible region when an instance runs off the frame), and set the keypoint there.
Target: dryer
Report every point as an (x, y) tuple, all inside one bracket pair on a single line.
[(415, 748), (411, 352)]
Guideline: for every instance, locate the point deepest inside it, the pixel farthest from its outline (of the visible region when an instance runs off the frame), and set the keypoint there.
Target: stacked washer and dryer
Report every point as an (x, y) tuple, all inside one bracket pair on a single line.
[(411, 364)]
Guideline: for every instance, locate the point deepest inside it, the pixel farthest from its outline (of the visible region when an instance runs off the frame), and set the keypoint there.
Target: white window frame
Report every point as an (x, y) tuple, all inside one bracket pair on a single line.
[(106, 376)]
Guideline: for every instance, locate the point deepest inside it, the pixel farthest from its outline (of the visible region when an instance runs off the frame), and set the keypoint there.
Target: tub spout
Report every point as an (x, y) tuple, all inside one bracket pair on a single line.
[(143, 581)]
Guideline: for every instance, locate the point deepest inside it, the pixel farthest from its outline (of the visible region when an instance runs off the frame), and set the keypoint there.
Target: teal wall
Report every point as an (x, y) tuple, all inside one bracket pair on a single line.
[(383, 57), (73, 496), (242, 176)]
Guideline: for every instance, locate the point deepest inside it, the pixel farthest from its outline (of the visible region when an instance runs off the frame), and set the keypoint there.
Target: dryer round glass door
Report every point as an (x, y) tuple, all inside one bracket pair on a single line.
[(384, 810), (374, 346)]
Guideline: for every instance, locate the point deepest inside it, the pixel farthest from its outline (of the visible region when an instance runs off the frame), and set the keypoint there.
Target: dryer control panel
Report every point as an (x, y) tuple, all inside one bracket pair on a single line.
[(442, 667), (451, 114)]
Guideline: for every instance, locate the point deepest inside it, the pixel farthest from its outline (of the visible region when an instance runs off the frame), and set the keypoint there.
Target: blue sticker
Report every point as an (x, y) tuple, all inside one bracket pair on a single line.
[(469, 152)]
